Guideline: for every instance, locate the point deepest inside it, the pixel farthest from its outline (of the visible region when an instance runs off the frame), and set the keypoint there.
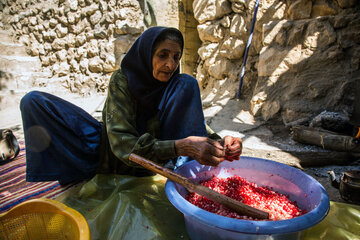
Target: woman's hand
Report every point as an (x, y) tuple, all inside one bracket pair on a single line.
[(232, 147), (204, 150)]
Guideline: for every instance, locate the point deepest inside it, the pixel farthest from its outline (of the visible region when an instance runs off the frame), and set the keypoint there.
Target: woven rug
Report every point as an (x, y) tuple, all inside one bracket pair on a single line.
[(13, 186)]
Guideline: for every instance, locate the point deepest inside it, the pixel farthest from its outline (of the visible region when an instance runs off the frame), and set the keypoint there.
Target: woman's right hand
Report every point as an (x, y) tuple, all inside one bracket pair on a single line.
[(204, 150)]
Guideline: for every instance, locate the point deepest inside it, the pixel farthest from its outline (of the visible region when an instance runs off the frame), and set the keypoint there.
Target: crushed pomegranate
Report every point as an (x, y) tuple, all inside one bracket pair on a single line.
[(279, 206)]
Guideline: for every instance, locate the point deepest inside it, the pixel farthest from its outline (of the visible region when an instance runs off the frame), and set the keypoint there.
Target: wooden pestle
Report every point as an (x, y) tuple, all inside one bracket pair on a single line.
[(192, 186)]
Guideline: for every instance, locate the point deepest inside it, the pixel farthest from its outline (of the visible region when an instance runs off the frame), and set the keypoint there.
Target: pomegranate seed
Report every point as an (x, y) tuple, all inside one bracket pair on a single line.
[(279, 206)]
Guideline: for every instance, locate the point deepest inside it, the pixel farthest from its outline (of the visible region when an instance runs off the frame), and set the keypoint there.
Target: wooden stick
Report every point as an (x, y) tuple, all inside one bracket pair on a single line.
[(192, 186)]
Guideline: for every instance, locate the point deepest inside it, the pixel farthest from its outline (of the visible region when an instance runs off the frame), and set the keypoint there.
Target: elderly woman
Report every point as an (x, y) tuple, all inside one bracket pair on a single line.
[(151, 110)]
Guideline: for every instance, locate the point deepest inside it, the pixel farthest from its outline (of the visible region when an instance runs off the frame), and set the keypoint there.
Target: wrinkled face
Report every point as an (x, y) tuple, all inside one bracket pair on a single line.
[(166, 60)]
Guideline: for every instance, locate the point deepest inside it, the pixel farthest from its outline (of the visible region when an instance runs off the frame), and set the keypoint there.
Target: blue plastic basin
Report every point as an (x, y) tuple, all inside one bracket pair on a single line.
[(300, 187)]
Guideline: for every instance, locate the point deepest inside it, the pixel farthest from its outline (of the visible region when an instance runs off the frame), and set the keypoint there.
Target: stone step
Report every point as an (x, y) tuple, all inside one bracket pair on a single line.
[(10, 112), (21, 80), (6, 36), (9, 64), (12, 49), (32, 74), (29, 79), (11, 98), (11, 84)]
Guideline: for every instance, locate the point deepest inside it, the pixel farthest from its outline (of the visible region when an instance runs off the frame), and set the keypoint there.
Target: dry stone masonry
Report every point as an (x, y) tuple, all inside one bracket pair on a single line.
[(78, 41), (304, 56), (303, 59)]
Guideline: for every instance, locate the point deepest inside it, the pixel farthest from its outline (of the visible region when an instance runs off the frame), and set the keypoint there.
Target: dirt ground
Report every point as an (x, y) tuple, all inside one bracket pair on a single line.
[(232, 117)]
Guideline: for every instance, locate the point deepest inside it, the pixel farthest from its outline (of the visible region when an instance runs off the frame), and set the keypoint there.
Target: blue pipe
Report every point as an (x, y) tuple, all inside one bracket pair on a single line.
[(247, 49)]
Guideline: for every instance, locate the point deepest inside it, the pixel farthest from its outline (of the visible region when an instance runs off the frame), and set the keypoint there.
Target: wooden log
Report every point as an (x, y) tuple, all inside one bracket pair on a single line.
[(319, 159), (304, 158), (192, 186), (326, 139)]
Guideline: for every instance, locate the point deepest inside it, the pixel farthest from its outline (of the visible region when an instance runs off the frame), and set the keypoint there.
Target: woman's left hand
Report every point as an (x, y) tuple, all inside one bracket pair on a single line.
[(233, 147)]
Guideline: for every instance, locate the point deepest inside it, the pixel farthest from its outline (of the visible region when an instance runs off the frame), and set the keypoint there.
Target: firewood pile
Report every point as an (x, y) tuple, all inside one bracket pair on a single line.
[(330, 130)]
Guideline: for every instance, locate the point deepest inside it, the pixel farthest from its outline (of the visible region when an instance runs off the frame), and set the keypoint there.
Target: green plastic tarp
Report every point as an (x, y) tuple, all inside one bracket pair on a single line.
[(127, 208)]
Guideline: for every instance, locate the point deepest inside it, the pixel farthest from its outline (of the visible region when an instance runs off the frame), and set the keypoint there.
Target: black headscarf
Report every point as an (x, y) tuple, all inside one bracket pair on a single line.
[(137, 67)]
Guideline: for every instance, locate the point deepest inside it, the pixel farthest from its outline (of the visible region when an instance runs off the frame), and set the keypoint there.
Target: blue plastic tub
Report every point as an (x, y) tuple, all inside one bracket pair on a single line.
[(300, 187)]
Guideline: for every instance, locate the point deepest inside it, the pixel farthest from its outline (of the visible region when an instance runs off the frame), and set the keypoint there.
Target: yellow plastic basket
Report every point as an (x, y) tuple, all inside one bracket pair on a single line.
[(43, 218)]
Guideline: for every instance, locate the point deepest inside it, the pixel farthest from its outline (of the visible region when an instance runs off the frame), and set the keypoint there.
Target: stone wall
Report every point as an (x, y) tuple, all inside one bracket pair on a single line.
[(82, 42), (76, 39), (304, 57)]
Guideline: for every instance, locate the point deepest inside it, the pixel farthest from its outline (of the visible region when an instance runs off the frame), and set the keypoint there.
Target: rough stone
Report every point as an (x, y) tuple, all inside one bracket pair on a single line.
[(232, 48), (53, 22), (205, 10), (270, 109), (49, 36), (58, 44), (95, 18), (323, 8), (100, 34), (225, 22), (110, 64), (210, 32), (74, 66), (274, 10), (33, 50), (61, 31), (90, 10), (33, 21), (92, 49), (81, 53), (80, 40), (125, 27), (96, 65), (319, 35), (63, 69), (207, 50), (219, 67), (79, 27), (70, 40), (238, 6), (73, 4), (70, 56), (237, 27), (300, 9), (84, 63), (346, 3), (44, 61), (61, 55), (73, 17)]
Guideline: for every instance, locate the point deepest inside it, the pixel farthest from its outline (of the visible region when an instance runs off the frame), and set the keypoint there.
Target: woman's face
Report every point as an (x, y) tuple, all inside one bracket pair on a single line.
[(166, 60)]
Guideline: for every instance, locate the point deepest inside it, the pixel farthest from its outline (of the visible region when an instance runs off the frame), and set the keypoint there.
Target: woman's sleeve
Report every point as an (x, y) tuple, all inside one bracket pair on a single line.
[(120, 116)]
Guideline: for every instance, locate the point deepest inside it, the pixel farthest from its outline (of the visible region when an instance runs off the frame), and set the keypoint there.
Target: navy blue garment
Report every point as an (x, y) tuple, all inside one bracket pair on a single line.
[(180, 110), (62, 140), (180, 113)]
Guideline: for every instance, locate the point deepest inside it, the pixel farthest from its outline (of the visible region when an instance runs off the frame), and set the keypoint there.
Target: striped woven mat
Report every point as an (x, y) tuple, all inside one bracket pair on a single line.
[(13, 186)]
